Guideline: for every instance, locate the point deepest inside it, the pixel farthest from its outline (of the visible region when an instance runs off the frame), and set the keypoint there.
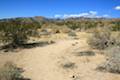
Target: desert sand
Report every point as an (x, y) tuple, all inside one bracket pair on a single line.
[(46, 63)]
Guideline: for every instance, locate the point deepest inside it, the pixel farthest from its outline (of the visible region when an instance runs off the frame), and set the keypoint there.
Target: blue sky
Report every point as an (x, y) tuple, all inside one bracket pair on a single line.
[(59, 8)]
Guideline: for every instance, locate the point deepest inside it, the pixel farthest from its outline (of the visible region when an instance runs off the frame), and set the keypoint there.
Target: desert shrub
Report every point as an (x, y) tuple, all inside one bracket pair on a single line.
[(10, 72), (100, 39), (85, 53), (16, 32), (56, 28), (68, 65), (44, 32), (112, 63), (115, 38), (116, 26), (72, 33)]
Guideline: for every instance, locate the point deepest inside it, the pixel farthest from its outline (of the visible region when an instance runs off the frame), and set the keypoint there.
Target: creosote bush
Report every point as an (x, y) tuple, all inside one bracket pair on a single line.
[(115, 38), (16, 32), (68, 65), (100, 39), (10, 72), (85, 53), (72, 34), (112, 63)]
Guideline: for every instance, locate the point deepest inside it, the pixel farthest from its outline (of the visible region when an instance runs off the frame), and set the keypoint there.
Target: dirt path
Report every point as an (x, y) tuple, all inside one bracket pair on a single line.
[(42, 63), (45, 63)]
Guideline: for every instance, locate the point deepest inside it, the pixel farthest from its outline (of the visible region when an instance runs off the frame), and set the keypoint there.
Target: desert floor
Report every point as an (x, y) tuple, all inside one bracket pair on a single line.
[(48, 62)]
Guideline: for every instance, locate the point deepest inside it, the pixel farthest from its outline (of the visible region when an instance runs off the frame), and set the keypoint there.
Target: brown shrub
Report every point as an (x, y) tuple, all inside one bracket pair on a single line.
[(10, 72), (112, 63), (100, 39)]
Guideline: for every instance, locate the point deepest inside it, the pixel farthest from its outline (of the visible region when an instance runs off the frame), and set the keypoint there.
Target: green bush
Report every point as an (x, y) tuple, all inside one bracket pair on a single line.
[(116, 26), (10, 72), (16, 32)]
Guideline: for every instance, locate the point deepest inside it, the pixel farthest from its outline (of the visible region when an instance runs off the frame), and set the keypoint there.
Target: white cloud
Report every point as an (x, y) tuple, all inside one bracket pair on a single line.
[(117, 8), (57, 16), (90, 14), (106, 15), (93, 12), (74, 15)]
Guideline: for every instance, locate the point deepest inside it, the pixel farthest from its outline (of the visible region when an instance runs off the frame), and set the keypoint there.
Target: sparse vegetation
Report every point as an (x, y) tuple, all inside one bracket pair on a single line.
[(16, 32), (100, 39), (112, 63), (68, 65), (10, 72), (72, 34), (85, 53)]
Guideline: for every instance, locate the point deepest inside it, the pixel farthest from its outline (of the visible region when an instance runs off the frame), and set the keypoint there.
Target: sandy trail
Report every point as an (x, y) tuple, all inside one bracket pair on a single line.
[(44, 63), (41, 63)]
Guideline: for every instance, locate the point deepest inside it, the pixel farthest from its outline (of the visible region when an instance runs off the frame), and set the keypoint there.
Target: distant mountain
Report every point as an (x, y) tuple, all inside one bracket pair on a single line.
[(44, 19), (78, 22)]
